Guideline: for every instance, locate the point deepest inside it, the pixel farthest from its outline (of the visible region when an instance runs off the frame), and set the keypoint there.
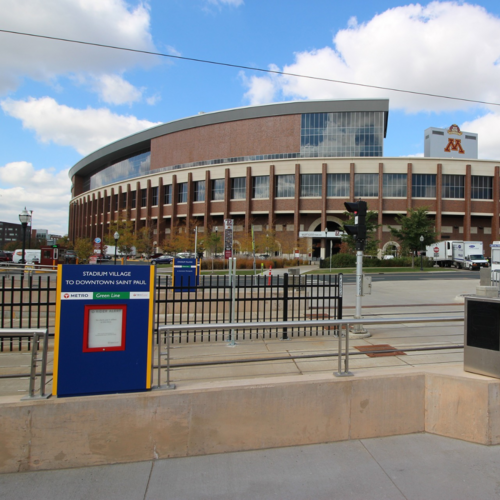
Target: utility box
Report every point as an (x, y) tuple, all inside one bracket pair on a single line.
[(482, 336), (367, 285)]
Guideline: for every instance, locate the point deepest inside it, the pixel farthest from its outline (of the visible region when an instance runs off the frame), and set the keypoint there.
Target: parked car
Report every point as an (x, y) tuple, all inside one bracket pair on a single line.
[(185, 255), (4, 257), (162, 259)]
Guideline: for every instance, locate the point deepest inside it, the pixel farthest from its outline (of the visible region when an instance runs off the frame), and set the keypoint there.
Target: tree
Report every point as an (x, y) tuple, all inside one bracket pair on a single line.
[(144, 243), (125, 229), (371, 246), (64, 242), (415, 224), (245, 240), (266, 242), (12, 245), (83, 249), (287, 242)]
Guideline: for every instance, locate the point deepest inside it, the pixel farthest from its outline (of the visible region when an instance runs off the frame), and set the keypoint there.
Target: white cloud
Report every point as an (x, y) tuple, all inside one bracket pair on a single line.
[(486, 127), (113, 89), (45, 192), (82, 129), (153, 99), (232, 3), (111, 22), (447, 48)]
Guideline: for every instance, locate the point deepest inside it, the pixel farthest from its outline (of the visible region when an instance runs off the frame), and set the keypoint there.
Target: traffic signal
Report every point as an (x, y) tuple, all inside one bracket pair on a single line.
[(358, 231)]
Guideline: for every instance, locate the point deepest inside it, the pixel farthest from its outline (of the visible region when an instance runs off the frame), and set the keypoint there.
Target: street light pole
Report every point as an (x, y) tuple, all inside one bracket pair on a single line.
[(214, 247), (116, 236), (421, 253), (24, 218)]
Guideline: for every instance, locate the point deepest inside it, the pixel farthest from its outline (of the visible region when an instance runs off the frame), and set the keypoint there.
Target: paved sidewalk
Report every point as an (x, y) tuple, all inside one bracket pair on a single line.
[(411, 467)]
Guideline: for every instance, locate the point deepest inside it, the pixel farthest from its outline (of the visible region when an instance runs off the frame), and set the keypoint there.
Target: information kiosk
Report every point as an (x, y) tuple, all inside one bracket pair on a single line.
[(104, 328)]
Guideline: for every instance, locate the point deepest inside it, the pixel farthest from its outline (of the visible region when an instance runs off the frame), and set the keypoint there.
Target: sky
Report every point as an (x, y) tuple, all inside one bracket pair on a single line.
[(61, 101)]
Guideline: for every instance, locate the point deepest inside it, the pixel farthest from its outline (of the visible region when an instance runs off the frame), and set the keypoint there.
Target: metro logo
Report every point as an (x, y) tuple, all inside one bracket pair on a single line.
[(454, 145)]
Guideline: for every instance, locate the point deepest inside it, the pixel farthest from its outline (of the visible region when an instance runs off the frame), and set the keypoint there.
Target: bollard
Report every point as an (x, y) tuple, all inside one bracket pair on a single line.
[(269, 279)]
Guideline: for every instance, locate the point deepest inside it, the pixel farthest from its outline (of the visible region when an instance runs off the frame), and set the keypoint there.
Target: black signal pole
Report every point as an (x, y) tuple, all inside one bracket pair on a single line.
[(358, 232)]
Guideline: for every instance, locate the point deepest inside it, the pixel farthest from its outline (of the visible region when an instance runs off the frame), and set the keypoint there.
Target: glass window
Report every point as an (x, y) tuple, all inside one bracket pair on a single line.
[(260, 188), (116, 202), (481, 188), (342, 134), (199, 191), (395, 185), (423, 186), (183, 192), (238, 188), (144, 197), (453, 186), (310, 185), (133, 202), (218, 189), (125, 169), (167, 194), (124, 200), (154, 196), (365, 185), (108, 204), (338, 185), (285, 186)]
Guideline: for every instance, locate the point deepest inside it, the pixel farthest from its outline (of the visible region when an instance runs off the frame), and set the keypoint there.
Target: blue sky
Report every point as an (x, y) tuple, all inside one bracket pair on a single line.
[(59, 101)]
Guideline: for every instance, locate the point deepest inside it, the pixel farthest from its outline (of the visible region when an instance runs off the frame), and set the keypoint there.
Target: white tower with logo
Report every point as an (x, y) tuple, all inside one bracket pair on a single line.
[(450, 143)]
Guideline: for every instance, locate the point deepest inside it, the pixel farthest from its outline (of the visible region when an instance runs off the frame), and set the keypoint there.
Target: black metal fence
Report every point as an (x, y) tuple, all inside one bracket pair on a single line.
[(26, 302), (30, 302), (248, 299)]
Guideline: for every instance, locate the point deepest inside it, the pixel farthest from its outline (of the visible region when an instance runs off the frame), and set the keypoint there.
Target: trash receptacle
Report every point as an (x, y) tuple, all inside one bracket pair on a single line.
[(482, 336)]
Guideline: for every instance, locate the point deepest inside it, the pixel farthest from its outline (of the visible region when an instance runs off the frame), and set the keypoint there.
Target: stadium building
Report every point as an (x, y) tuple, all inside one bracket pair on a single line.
[(288, 167)]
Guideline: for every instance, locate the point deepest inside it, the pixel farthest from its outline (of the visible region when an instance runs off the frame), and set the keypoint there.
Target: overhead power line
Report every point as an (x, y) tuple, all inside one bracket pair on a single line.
[(261, 70)]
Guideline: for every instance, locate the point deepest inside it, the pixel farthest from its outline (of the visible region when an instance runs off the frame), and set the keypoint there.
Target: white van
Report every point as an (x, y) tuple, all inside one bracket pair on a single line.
[(30, 256)]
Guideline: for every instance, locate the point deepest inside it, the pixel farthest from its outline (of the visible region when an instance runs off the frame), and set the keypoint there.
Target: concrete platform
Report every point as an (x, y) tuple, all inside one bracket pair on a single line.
[(221, 416)]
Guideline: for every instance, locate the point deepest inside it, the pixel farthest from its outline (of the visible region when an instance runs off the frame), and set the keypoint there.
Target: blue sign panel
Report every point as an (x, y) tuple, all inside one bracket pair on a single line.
[(186, 275), (103, 341)]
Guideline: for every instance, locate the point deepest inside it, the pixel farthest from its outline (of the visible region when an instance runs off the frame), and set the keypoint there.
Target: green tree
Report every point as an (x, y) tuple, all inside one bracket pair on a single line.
[(127, 240), (415, 224), (84, 248), (65, 242), (144, 243), (371, 246)]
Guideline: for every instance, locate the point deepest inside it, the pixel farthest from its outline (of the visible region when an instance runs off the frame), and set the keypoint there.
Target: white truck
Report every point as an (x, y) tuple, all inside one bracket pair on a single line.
[(474, 255), (442, 252), (460, 254), (30, 255), (495, 256)]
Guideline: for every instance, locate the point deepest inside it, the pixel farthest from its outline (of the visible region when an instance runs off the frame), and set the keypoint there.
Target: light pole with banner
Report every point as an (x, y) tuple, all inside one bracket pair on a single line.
[(228, 238), (24, 218), (116, 236)]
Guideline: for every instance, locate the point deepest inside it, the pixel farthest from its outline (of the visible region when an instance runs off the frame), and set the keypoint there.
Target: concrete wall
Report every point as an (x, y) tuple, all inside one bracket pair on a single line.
[(234, 416)]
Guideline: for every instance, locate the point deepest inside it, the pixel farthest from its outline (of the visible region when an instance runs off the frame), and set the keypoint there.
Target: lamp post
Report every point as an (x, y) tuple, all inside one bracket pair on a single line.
[(31, 226), (421, 252), (24, 218), (116, 236)]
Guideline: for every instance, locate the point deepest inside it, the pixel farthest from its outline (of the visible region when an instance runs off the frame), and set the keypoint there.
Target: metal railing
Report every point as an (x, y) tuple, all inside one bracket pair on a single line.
[(339, 324), (249, 300), (495, 279), (26, 302), (36, 335)]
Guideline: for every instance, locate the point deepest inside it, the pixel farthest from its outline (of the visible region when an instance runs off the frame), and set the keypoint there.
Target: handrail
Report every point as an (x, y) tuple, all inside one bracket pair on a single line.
[(36, 333), (346, 323)]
